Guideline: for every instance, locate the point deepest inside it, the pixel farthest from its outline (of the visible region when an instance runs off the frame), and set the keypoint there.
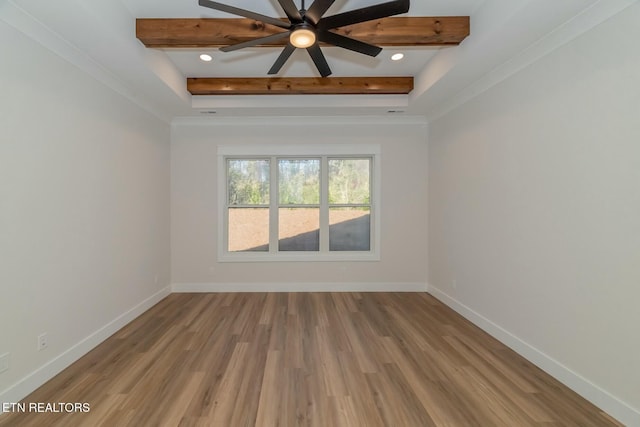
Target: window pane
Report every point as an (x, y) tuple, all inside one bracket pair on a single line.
[(248, 182), (248, 230), (349, 181), (299, 181), (349, 229), (299, 229)]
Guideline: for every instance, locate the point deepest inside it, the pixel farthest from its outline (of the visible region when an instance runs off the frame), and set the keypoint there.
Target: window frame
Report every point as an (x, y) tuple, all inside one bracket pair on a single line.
[(325, 152)]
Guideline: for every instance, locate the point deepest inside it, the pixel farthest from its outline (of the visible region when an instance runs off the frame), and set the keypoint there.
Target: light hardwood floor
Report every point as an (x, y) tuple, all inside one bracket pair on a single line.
[(312, 359)]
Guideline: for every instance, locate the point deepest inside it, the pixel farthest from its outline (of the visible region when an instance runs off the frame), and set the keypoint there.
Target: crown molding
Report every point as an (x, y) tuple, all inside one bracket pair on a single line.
[(27, 24), (588, 19)]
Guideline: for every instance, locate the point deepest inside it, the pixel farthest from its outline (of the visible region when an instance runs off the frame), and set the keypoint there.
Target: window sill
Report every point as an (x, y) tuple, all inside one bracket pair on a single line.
[(299, 257)]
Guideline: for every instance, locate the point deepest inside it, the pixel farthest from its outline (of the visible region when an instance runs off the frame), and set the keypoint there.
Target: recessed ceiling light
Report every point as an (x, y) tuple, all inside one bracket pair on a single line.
[(205, 57), (397, 56)]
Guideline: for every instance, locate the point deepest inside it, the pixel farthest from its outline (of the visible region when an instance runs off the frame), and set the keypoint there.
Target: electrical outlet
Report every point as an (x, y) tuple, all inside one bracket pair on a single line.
[(4, 362), (43, 341)]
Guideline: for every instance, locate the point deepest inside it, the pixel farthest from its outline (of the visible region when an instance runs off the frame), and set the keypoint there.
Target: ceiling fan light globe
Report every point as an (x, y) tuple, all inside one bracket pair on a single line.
[(302, 38)]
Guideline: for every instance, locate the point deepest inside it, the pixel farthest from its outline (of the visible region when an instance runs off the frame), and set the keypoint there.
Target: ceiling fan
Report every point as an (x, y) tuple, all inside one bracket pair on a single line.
[(308, 27)]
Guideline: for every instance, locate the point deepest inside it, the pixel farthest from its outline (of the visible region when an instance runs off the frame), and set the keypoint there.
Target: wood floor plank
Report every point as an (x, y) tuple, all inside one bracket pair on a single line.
[(312, 359), (426, 390), (355, 380), (333, 378), (222, 410), (397, 403), (269, 309), (270, 403)]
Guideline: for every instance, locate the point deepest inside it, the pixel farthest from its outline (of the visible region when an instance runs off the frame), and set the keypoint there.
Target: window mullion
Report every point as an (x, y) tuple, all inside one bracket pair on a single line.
[(273, 205), (225, 214), (324, 205)]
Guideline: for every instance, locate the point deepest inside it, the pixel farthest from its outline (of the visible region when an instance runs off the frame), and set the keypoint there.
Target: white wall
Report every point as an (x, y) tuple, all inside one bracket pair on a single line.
[(194, 211), (84, 211), (534, 211)]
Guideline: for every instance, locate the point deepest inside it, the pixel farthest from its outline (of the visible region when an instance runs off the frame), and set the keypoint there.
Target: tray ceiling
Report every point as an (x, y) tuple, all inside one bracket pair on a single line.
[(100, 37)]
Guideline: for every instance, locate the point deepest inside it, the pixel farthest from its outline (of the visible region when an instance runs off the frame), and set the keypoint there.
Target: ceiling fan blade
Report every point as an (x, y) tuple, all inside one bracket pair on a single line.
[(319, 60), (286, 53), (291, 10), (256, 42), (317, 9), (364, 14), (245, 13), (349, 43)]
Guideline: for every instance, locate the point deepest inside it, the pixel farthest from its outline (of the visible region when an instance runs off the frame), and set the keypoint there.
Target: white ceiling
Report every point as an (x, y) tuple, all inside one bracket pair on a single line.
[(191, 9), (254, 62), (99, 37)]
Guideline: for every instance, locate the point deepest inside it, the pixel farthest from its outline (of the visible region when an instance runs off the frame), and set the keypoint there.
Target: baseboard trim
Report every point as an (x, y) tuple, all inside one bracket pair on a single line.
[(299, 287), (596, 395), (37, 378)]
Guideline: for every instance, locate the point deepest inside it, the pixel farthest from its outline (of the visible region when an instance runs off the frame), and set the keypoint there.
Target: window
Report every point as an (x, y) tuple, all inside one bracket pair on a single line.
[(298, 203)]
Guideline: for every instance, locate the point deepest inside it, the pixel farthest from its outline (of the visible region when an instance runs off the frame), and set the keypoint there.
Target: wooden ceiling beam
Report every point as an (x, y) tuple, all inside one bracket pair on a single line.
[(216, 32), (300, 85)]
